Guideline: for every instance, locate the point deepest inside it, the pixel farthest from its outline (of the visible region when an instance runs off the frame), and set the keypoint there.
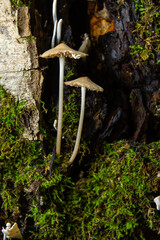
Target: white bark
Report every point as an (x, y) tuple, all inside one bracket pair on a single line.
[(19, 63)]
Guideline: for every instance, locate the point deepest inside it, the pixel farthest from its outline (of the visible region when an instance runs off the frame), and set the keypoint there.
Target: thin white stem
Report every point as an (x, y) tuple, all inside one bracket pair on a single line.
[(80, 126), (54, 13), (4, 237), (60, 109), (59, 30), (54, 35)]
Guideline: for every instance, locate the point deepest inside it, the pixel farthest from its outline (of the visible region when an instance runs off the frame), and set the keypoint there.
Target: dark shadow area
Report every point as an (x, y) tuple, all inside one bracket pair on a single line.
[(78, 20)]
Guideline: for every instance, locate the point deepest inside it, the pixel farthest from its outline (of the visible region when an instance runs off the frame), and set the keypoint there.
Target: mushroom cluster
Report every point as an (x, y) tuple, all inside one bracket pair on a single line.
[(62, 51)]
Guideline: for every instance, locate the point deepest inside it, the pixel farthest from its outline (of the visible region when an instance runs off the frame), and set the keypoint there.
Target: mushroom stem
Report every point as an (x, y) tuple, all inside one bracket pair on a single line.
[(54, 10), (54, 13), (54, 35), (59, 30), (60, 109), (80, 126)]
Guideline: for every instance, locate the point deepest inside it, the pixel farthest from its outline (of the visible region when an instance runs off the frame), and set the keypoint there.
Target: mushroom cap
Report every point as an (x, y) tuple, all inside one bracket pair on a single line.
[(62, 50), (14, 232), (8, 225), (85, 82), (157, 202)]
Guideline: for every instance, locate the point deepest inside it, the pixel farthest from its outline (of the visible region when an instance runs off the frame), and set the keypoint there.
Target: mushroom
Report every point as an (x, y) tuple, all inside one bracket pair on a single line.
[(11, 232), (85, 46), (83, 82), (157, 202), (5, 231), (61, 51)]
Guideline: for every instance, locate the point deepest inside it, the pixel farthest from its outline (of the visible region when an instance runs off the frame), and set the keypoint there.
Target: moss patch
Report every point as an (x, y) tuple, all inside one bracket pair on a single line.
[(147, 29), (113, 198)]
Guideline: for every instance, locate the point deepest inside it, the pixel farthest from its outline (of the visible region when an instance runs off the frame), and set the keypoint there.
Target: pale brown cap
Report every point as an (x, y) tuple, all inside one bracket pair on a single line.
[(14, 232), (62, 50), (85, 82)]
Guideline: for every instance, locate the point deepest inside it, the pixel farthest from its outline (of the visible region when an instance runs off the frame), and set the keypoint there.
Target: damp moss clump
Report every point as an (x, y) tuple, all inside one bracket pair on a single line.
[(112, 199), (109, 196), (115, 199), (17, 155), (147, 32), (28, 194)]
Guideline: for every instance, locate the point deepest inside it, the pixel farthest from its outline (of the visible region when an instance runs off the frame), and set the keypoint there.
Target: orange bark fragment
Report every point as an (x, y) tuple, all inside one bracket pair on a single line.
[(101, 24)]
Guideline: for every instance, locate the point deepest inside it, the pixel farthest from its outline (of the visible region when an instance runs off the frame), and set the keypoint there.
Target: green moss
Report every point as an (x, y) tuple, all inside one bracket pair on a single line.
[(113, 200), (17, 155), (20, 3), (147, 29)]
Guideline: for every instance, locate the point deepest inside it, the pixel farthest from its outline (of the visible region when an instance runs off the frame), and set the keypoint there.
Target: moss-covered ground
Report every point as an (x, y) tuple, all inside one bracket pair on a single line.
[(110, 197), (107, 194)]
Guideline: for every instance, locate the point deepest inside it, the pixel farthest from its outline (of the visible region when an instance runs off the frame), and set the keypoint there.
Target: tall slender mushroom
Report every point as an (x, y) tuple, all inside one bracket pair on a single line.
[(83, 82), (61, 51)]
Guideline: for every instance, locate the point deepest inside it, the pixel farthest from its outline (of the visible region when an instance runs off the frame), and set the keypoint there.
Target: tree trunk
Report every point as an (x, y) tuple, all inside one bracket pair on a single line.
[(19, 66), (124, 60), (129, 106)]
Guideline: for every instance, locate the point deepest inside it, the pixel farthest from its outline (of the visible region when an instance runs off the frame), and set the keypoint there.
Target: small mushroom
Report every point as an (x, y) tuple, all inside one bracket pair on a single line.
[(86, 44), (157, 202), (61, 51), (83, 82), (5, 231), (158, 174), (11, 232)]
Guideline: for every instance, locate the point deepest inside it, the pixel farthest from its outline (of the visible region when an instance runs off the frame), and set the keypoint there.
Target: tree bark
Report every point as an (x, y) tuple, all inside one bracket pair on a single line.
[(19, 66)]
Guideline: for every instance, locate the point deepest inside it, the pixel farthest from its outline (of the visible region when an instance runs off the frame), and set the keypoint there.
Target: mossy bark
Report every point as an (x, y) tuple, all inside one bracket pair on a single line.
[(19, 66)]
